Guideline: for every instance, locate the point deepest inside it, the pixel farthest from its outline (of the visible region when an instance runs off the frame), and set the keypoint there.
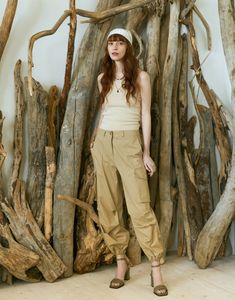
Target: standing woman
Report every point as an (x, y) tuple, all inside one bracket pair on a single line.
[(122, 160)]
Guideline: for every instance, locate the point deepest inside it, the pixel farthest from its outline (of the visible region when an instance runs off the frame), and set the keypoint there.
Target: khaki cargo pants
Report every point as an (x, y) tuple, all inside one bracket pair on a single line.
[(119, 167)]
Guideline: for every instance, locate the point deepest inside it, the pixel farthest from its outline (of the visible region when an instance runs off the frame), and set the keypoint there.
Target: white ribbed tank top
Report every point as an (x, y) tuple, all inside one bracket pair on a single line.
[(118, 114)]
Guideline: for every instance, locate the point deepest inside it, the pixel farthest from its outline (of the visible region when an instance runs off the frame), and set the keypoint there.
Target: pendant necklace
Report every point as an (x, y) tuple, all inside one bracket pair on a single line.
[(118, 82)]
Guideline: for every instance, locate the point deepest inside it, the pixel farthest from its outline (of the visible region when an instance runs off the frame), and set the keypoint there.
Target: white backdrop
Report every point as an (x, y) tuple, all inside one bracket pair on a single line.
[(50, 54)]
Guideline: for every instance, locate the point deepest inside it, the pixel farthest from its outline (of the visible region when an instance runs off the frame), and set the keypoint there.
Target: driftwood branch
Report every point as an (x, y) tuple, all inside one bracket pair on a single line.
[(69, 60), (53, 100), (6, 24), (83, 205), (206, 25), (189, 7), (100, 16), (49, 187)]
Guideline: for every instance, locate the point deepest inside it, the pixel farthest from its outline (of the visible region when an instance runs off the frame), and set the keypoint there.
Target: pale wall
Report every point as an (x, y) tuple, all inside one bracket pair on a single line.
[(49, 54)]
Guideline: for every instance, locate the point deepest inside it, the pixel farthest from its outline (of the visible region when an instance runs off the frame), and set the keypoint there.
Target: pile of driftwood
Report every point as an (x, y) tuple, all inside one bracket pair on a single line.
[(42, 232)]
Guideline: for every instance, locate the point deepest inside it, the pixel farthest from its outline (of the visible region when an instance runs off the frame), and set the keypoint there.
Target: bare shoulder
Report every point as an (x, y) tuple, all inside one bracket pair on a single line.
[(143, 77), (99, 81), (100, 77)]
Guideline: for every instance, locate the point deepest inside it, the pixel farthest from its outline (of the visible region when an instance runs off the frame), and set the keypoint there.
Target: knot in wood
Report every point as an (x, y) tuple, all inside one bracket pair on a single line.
[(69, 142), (4, 242)]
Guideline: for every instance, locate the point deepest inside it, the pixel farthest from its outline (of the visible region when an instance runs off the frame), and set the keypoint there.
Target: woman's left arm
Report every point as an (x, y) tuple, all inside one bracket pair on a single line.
[(145, 91)]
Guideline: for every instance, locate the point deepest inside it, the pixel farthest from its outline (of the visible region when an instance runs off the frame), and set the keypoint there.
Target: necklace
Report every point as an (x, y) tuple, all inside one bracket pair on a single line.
[(118, 83)]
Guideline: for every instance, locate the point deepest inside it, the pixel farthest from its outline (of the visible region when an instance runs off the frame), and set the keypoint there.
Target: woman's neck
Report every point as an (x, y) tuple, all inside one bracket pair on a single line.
[(119, 71)]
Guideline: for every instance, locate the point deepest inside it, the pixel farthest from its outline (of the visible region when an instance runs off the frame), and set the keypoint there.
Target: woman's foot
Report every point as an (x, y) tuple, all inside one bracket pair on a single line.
[(156, 280), (122, 273)]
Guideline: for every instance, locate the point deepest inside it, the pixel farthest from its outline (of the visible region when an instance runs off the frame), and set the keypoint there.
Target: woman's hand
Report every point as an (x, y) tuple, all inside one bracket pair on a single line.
[(149, 164)]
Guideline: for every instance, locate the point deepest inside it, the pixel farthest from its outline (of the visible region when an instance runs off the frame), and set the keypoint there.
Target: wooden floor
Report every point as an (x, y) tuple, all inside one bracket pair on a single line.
[(184, 280)]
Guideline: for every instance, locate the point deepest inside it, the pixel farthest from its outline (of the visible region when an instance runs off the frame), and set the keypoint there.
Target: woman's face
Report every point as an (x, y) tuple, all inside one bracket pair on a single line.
[(117, 49)]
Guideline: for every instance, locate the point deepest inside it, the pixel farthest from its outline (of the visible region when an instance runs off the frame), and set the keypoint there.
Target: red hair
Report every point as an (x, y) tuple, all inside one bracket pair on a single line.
[(131, 70)]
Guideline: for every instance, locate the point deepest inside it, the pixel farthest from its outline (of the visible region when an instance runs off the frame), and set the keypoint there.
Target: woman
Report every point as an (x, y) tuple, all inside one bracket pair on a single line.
[(121, 159)]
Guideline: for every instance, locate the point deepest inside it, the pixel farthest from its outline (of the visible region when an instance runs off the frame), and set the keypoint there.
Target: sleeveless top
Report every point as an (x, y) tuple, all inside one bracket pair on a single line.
[(118, 114)]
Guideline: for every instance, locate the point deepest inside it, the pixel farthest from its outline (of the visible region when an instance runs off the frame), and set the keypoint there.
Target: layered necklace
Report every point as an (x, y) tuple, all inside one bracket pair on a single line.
[(119, 83)]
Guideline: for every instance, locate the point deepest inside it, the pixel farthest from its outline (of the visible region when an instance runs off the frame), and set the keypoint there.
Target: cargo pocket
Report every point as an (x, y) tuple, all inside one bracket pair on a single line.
[(140, 173), (141, 185)]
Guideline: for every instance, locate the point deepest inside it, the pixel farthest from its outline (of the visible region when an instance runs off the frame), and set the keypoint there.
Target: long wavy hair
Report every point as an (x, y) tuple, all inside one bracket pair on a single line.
[(131, 71)]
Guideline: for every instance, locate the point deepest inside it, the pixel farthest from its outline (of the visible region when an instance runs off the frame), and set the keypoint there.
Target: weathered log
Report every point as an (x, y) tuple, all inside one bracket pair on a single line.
[(26, 232), (153, 69), (207, 180), (37, 107), (181, 73), (155, 108), (92, 250), (17, 259), (6, 23), (165, 143), (49, 187), (212, 235), (72, 136), (18, 130), (193, 196)]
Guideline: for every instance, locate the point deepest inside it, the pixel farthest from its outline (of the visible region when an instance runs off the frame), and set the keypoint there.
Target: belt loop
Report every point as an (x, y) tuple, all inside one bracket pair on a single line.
[(104, 132), (123, 133)]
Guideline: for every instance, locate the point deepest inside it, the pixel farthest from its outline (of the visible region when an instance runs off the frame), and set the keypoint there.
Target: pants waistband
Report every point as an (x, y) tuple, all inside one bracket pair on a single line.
[(117, 133)]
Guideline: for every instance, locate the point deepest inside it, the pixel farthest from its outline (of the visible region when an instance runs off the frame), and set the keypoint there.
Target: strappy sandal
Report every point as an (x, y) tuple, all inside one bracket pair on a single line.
[(161, 289), (116, 283)]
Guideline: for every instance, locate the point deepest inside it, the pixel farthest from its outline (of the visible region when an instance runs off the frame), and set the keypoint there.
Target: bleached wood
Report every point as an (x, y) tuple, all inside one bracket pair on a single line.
[(49, 187), (166, 115), (72, 136), (180, 89)]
